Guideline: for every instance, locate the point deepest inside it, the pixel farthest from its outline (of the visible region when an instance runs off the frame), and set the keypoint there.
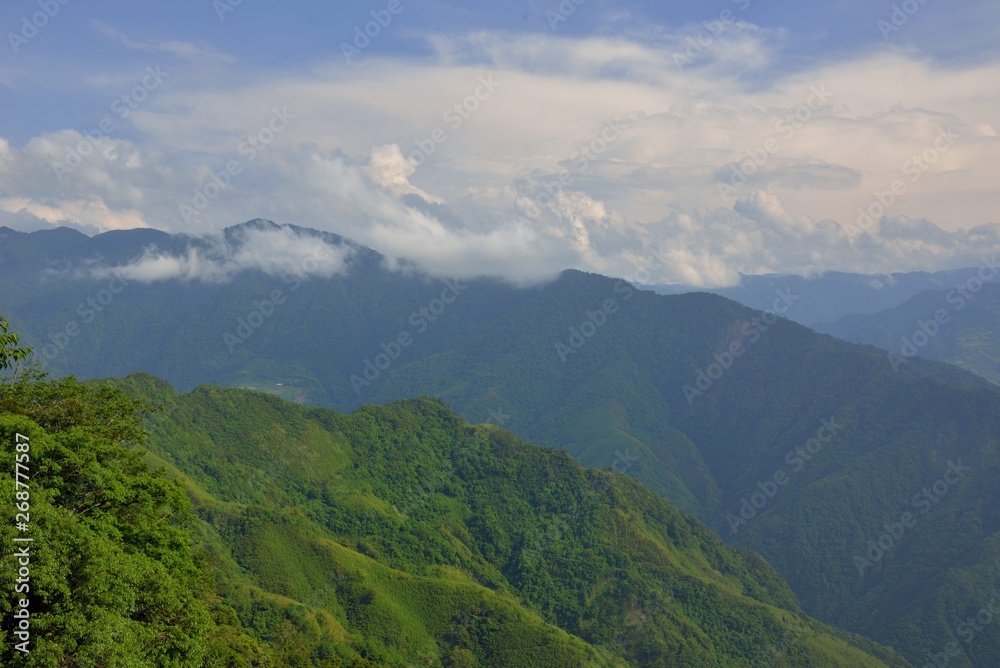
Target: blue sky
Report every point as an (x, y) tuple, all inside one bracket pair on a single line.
[(674, 101)]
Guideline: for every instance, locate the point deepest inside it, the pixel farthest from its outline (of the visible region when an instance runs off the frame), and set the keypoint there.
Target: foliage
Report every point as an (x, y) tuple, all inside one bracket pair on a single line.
[(617, 401), (429, 540), (114, 577), (11, 354)]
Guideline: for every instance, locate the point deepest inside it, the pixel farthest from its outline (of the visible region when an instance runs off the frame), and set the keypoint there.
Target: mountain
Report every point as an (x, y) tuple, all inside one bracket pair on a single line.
[(803, 448), (960, 325), (395, 536), (869, 488), (258, 307), (832, 295), (101, 567)]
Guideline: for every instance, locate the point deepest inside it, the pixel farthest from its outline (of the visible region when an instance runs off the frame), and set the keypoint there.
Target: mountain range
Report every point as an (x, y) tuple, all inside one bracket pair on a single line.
[(866, 484), (960, 325), (832, 295), (394, 536)]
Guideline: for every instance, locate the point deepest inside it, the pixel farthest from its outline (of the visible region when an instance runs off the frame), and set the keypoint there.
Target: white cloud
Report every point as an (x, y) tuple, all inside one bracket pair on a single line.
[(279, 251), (187, 50), (341, 165), (390, 170)]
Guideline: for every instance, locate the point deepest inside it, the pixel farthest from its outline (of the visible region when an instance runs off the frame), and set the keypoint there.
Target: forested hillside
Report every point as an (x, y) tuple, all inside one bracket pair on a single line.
[(793, 444), (960, 325), (394, 536)]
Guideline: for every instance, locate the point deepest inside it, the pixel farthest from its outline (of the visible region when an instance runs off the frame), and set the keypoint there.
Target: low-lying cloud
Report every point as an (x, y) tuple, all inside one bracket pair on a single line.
[(279, 251)]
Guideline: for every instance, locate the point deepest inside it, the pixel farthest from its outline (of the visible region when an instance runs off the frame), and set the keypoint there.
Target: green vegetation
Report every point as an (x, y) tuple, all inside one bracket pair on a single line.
[(966, 331), (395, 536), (114, 578), (428, 539), (618, 401), (11, 353)]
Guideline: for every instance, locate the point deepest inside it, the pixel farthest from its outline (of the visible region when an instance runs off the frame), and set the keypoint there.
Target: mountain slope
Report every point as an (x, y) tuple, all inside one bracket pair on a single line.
[(960, 325), (101, 568), (894, 433), (705, 401), (833, 294), (424, 535)]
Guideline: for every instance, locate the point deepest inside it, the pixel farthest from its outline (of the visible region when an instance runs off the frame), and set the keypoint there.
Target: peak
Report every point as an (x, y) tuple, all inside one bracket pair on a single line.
[(256, 224)]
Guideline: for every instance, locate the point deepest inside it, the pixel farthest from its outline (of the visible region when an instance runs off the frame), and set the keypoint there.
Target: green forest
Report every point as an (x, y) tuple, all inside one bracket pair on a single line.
[(225, 527)]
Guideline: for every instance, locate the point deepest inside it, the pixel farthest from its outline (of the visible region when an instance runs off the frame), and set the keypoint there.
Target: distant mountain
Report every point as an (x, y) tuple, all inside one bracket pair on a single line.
[(807, 449), (960, 325), (831, 295)]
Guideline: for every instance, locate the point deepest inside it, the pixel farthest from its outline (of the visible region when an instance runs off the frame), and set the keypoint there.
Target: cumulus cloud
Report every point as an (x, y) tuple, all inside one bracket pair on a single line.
[(389, 169), (530, 181)]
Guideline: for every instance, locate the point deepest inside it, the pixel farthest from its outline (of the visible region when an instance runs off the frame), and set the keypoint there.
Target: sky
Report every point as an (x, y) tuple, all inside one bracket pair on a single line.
[(690, 142)]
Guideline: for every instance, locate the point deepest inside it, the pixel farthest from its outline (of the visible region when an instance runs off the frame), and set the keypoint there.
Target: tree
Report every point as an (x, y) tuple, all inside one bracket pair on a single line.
[(11, 355)]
